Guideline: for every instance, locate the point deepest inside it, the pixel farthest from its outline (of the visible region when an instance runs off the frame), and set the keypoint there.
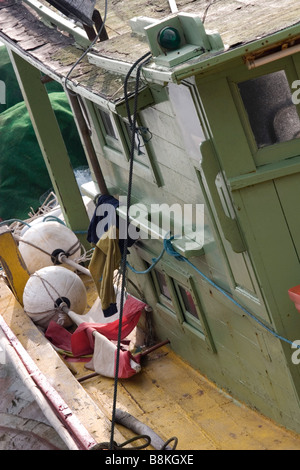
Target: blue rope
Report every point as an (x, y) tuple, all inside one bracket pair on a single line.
[(168, 248), (154, 263), (57, 219), (53, 218), (14, 220)]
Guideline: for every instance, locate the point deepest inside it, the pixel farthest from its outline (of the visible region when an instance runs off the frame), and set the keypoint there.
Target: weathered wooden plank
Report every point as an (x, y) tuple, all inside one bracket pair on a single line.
[(52, 146), (31, 43), (288, 189), (123, 44)]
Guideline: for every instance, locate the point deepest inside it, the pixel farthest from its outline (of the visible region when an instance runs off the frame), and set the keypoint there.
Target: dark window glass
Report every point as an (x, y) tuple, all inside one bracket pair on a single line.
[(107, 123), (138, 140), (188, 302), (163, 285), (271, 112)]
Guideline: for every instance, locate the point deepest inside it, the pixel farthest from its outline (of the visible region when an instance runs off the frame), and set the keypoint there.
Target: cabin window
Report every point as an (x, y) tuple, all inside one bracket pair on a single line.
[(177, 298), (140, 153), (163, 287), (189, 311), (188, 302), (109, 129), (112, 135), (272, 115), (162, 284), (107, 124)]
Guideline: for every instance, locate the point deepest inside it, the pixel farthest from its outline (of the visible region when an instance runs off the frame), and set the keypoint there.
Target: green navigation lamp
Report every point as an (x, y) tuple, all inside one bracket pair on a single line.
[(179, 38), (169, 38)]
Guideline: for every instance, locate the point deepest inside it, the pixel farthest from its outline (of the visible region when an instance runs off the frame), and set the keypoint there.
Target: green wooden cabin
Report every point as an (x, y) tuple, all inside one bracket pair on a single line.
[(220, 113)]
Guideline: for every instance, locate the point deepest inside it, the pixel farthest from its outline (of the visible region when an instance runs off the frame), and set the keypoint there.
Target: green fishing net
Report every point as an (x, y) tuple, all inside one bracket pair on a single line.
[(24, 177)]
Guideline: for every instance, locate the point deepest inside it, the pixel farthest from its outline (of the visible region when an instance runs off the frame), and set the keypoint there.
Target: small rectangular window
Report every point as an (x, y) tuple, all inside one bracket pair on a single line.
[(189, 311), (140, 153), (177, 297), (188, 302), (107, 123), (138, 142), (163, 286), (272, 115), (109, 129)]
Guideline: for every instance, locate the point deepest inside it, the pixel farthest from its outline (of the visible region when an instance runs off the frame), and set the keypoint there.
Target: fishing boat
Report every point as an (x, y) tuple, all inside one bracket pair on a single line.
[(182, 323)]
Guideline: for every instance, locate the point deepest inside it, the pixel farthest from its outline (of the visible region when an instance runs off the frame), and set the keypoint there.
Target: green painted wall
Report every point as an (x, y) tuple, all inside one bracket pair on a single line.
[(236, 352), (226, 345)]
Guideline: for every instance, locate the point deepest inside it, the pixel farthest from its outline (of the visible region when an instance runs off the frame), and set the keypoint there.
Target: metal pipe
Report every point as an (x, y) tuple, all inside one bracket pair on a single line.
[(130, 422), (153, 348), (89, 376), (254, 63), (62, 258)]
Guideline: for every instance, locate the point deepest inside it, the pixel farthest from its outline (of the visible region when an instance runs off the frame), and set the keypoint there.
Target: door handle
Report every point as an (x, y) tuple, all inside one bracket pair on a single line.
[(209, 170)]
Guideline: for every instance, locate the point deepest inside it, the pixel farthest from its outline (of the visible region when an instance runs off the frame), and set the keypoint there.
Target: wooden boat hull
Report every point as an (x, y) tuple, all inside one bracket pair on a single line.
[(168, 395)]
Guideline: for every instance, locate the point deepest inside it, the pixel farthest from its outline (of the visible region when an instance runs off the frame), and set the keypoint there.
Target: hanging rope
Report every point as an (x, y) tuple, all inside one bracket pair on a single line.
[(148, 270), (9, 221), (139, 64)]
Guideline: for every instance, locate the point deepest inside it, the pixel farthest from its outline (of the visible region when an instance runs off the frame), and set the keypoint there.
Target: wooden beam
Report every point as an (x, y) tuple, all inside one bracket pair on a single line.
[(87, 142), (52, 146)]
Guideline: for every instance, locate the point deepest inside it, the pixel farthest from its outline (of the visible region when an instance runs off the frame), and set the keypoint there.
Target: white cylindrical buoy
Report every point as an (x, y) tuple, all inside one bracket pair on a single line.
[(50, 289), (41, 244)]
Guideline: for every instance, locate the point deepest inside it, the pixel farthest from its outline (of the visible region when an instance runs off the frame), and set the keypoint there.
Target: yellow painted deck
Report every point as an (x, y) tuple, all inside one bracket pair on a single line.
[(168, 395)]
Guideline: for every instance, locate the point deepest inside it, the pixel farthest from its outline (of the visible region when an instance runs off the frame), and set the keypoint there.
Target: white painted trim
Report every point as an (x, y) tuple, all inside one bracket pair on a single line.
[(152, 73), (66, 25)]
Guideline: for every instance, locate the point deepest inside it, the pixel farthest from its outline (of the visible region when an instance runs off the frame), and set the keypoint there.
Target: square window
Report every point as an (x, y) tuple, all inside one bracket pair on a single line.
[(272, 115)]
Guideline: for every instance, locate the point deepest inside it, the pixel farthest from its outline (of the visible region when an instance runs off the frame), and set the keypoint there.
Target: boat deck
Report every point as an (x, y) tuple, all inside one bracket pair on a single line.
[(167, 395)]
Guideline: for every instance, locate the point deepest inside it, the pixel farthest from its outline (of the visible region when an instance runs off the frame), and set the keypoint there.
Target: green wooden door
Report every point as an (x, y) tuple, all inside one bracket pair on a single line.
[(255, 130)]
